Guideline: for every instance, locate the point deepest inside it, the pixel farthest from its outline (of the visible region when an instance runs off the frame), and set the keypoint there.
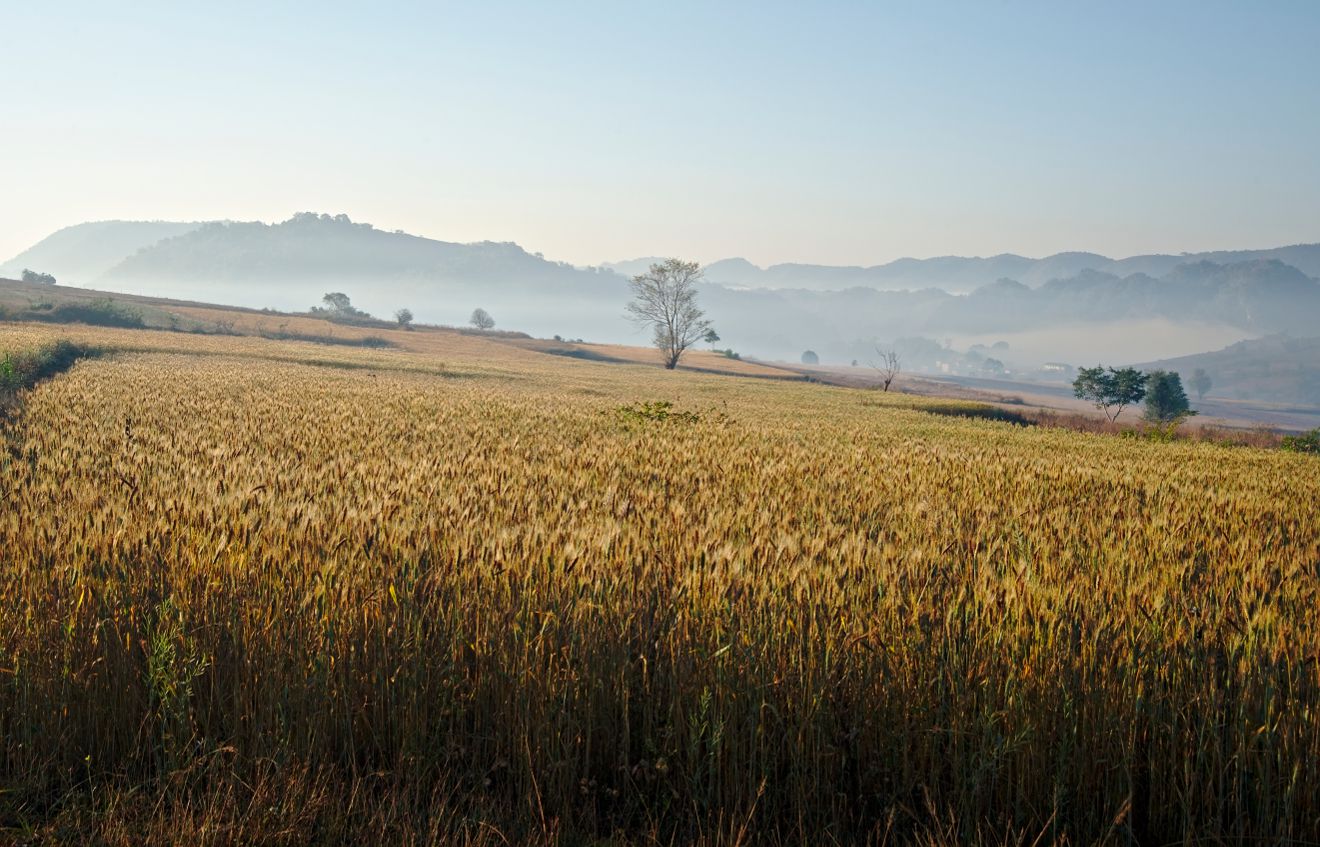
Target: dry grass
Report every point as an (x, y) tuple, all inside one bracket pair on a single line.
[(259, 591)]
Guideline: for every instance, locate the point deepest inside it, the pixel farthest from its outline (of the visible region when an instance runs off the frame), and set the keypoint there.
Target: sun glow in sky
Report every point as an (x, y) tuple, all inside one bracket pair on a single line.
[(832, 133)]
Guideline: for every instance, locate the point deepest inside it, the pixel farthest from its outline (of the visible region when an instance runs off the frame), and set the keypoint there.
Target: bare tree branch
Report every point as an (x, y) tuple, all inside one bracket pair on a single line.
[(665, 299), (889, 366)]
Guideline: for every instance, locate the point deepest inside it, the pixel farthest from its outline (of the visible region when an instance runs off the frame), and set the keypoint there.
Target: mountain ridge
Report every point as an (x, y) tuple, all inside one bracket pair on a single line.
[(74, 255), (291, 264)]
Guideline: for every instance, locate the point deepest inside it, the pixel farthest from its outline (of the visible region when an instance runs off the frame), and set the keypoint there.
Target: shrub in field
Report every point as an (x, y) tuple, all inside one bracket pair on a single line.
[(655, 410), (23, 368), (1306, 443), (101, 312), (983, 411)]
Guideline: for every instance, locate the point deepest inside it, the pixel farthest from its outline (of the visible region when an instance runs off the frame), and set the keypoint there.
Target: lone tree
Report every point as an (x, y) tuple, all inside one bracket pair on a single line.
[(404, 317), (337, 301), (1166, 402), (1200, 383), (809, 357), (711, 337), (482, 320), (35, 278), (889, 366), (337, 305), (665, 299), (1110, 391)]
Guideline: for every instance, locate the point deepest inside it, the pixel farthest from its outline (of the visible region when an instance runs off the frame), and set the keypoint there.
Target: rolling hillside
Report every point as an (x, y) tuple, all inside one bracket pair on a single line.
[(1278, 368)]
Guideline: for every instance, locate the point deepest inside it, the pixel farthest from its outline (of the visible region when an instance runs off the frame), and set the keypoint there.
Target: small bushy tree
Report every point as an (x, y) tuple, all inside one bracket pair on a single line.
[(338, 306), (338, 301), (1112, 390), (1200, 383), (809, 357), (404, 317), (35, 278), (1166, 402), (482, 320)]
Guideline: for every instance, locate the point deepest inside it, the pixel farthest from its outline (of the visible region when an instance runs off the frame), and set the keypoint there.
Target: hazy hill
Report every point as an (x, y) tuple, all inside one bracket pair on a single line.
[(290, 265), (79, 255), (1278, 369), (1260, 295), (959, 275), (632, 267)]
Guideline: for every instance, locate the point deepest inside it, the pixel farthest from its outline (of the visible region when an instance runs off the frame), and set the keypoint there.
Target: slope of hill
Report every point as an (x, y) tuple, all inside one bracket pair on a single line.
[(1278, 368), (80, 254)]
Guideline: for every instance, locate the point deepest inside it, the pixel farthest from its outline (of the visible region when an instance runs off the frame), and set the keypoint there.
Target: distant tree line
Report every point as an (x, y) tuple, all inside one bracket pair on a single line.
[(35, 278)]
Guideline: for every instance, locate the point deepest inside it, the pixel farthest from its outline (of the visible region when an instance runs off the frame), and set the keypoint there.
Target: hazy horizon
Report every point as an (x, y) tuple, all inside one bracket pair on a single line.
[(842, 135), (622, 260)]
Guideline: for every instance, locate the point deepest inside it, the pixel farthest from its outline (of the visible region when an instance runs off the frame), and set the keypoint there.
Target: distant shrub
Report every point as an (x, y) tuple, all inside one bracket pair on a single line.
[(100, 312), (586, 355), (980, 411), (283, 334), (35, 278), (1306, 443), (657, 410)]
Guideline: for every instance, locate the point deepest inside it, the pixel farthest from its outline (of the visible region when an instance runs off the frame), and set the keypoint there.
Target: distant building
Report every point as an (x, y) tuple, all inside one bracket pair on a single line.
[(1056, 368)]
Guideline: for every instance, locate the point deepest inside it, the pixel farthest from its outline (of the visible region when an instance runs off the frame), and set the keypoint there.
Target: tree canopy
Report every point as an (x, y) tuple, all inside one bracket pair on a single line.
[(1166, 401), (338, 306), (1111, 390)]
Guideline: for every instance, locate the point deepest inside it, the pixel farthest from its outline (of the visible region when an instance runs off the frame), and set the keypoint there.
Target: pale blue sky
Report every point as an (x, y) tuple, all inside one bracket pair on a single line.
[(835, 133)]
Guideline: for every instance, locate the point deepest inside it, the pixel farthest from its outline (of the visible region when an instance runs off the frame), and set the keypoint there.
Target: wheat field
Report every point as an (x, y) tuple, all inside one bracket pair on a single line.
[(464, 592)]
